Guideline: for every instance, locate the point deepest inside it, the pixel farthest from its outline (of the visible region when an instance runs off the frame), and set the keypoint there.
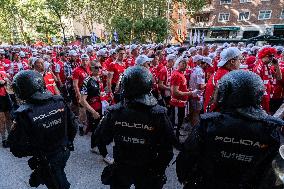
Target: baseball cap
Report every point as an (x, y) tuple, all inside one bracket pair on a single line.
[(192, 49), (228, 54), (207, 60), (171, 57), (112, 52), (72, 53), (141, 59), (196, 58), (2, 51), (102, 52), (132, 47), (89, 49), (84, 56), (22, 54)]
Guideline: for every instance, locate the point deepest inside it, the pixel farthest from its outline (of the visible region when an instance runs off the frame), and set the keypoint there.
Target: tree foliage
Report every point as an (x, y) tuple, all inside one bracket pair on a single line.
[(134, 20)]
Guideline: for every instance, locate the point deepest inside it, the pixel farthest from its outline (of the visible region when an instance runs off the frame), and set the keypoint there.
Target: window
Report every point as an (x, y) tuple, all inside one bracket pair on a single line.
[(179, 31), (223, 17), (244, 15), (282, 14), (222, 2), (245, 1), (264, 14)]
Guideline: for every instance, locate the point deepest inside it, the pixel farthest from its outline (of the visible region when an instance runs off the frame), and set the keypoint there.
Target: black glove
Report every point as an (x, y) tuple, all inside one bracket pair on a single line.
[(70, 146)]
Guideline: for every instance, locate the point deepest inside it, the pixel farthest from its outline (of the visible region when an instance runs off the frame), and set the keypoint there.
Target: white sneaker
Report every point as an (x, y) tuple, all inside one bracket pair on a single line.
[(95, 150), (108, 159)]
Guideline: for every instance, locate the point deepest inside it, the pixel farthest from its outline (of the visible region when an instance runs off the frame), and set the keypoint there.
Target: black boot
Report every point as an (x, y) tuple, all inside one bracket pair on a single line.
[(5, 144), (81, 131)]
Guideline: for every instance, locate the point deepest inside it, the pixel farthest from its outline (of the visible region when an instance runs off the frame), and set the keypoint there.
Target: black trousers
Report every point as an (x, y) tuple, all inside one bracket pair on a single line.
[(177, 113), (57, 163), (124, 177), (93, 123)]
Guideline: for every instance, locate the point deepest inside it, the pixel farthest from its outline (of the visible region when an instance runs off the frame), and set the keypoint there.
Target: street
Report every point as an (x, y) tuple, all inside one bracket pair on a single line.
[(83, 169)]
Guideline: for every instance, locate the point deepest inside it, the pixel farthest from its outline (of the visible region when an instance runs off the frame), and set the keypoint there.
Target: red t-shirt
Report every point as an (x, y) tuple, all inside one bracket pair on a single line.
[(108, 62), (178, 79), (3, 76), (190, 63), (165, 76), (61, 71), (117, 70), (210, 87), (130, 62), (80, 73), (49, 82)]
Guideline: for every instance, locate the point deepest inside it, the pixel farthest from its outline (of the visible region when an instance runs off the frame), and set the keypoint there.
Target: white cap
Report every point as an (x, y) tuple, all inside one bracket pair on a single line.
[(132, 47), (228, 54), (196, 58), (170, 51), (212, 55), (198, 47), (171, 57), (102, 52), (72, 53), (141, 59), (2, 51), (207, 60), (85, 56), (192, 49), (180, 59), (90, 48), (226, 45), (112, 52)]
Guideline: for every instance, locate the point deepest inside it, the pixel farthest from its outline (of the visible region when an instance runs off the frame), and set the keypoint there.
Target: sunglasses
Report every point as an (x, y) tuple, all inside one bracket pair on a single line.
[(97, 67)]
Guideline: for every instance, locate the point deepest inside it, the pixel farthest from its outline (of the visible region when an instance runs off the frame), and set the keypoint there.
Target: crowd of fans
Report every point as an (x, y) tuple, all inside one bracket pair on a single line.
[(185, 78)]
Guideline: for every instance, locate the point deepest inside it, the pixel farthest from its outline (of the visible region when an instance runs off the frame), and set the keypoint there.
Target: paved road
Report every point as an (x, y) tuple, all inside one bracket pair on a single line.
[(83, 169)]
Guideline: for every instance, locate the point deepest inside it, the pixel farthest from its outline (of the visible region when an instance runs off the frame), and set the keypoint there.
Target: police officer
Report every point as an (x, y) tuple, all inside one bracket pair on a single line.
[(234, 148), (44, 128), (142, 134)]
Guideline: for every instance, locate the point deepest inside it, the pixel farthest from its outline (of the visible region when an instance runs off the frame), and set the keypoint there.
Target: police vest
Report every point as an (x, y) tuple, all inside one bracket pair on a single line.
[(47, 126), (135, 136), (235, 151)]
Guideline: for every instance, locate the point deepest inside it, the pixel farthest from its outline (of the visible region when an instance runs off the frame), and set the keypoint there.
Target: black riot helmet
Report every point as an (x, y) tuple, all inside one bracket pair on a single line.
[(240, 89), (137, 83), (29, 84)]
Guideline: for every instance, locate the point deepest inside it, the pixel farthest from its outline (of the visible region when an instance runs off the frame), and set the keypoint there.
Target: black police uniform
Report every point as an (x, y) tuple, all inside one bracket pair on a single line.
[(142, 134), (44, 128), (234, 148)]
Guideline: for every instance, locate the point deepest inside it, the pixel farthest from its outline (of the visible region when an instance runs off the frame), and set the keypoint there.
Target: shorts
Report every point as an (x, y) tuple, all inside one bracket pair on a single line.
[(5, 104)]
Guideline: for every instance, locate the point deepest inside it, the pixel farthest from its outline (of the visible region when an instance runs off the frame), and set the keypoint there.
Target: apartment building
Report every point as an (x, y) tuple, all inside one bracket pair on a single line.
[(239, 19)]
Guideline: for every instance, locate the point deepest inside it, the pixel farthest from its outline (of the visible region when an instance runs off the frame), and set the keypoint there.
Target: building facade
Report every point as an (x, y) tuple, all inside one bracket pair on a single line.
[(239, 19)]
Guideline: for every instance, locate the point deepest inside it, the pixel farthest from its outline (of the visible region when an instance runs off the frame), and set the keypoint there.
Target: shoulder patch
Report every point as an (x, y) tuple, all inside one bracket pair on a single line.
[(211, 116)]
